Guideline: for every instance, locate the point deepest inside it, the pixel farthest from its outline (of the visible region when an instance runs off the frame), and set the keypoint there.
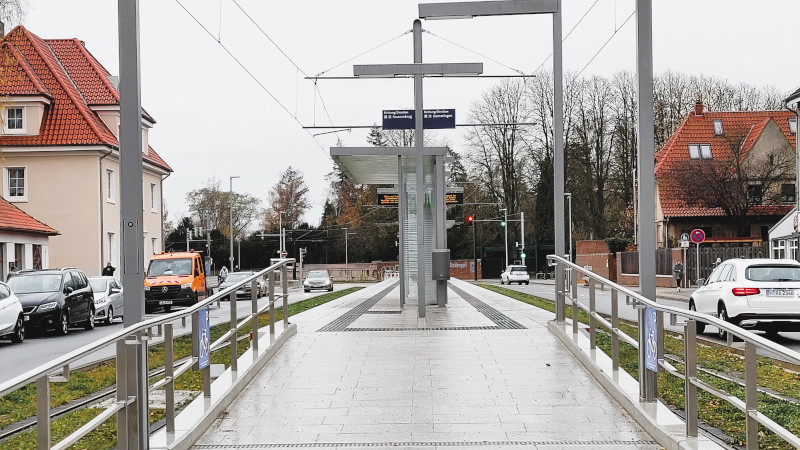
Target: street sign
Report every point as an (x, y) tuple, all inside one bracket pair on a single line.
[(684, 244), (203, 339), (651, 340), (284, 254), (685, 237), (432, 119), (698, 236)]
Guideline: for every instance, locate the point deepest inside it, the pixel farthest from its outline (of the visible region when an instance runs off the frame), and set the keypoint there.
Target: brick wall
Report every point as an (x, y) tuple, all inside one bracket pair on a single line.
[(460, 269)]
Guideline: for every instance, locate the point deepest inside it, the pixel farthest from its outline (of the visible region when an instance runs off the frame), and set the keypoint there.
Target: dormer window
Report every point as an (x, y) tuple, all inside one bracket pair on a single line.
[(718, 130), (700, 151), (793, 125), (15, 120)]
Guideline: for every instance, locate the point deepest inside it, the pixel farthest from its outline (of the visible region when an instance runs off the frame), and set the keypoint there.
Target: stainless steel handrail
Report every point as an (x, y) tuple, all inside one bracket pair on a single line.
[(752, 343), (137, 334)]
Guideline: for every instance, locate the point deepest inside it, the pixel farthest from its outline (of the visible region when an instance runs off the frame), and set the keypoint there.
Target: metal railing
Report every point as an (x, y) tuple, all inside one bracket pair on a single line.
[(567, 292), (129, 342)]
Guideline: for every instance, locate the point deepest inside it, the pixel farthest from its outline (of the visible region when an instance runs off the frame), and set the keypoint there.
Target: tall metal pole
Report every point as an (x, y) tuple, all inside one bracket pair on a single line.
[(239, 252), (402, 210), (230, 223), (646, 209), (134, 420), (505, 220), (346, 264), (522, 222), (280, 234), (418, 144), (558, 155), (569, 215), (475, 248)]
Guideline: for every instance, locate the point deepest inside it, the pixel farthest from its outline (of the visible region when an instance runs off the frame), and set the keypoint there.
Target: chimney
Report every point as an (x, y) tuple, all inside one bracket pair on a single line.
[(698, 108)]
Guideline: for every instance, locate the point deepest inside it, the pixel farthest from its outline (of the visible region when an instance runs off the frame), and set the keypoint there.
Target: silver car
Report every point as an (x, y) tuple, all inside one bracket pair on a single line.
[(108, 302), (318, 279)]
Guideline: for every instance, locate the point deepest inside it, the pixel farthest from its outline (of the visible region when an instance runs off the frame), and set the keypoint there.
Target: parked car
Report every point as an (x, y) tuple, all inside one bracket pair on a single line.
[(243, 291), (318, 279), (54, 298), (755, 294), (108, 303), (515, 274), (12, 320)]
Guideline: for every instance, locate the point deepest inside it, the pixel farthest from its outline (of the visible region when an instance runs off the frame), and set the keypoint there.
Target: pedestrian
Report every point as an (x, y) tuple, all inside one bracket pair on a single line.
[(108, 270), (677, 272), (223, 273), (11, 269)]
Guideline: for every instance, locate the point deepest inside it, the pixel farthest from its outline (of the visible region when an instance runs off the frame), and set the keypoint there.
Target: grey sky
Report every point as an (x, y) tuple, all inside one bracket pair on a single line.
[(215, 120)]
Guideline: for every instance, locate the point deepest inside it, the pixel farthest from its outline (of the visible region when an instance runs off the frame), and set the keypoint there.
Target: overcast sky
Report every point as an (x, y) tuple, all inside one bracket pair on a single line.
[(215, 120)]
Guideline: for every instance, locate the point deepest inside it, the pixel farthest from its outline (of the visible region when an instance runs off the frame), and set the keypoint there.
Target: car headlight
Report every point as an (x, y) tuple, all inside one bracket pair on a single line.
[(100, 300), (306, 283), (327, 282), (47, 306), (147, 288)]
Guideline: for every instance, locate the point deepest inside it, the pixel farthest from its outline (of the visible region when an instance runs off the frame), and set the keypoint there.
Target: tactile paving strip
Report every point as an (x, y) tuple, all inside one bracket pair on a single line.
[(555, 443), (503, 321), (383, 312), (349, 317)]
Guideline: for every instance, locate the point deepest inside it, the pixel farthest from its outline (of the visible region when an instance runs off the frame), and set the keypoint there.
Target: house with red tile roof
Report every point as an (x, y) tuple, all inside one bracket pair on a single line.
[(24, 240), (60, 151), (731, 174)]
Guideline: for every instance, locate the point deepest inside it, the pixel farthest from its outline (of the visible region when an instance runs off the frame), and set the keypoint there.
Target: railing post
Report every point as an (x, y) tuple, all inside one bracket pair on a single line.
[(43, 412), (614, 330), (234, 339), (254, 318), (560, 300), (169, 388), (122, 396), (592, 324), (690, 374), (271, 285), (285, 289), (751, 393), (573, 281)]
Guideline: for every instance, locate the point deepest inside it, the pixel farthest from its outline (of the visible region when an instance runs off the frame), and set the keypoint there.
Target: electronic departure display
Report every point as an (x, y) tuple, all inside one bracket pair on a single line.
[(451, 198)]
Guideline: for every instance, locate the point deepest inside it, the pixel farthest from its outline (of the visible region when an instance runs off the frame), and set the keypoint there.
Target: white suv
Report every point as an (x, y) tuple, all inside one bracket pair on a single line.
[(757, 294), (515, 274), (12, 323)]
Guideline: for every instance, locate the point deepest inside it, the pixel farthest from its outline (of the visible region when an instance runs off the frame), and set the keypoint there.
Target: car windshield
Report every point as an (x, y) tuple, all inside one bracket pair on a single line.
[(234, 277), (318, 274), (773, 273), (160, 267), (519, 269), (30, 284), (98, 284)]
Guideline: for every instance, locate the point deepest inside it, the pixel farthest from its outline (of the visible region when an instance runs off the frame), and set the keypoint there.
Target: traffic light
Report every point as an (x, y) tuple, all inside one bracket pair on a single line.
[(470, 219), (502, 223)]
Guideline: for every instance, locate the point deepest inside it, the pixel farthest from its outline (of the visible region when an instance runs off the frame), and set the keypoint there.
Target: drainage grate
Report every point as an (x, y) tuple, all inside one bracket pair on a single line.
[(382, 312), (503, 321), (349, 317), (490, 327), (558, 443)]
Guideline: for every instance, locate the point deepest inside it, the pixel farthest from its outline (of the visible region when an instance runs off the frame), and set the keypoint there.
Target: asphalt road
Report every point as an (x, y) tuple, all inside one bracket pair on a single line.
[(603, 304), (41, 347)]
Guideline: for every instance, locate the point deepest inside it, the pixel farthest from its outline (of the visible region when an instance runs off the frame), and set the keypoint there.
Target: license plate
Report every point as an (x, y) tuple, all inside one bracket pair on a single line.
[(165, 302), (27, 318), (780, 292)]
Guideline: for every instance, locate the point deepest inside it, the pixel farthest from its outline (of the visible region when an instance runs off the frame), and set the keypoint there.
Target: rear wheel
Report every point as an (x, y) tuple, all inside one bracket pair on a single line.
[(701, 326), (723, 315), (19, 331), (527, 283), (501, 281)]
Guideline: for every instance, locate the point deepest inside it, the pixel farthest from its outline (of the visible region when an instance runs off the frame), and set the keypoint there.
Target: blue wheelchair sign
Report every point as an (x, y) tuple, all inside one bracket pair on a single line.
[(651, 340), (203, 339)]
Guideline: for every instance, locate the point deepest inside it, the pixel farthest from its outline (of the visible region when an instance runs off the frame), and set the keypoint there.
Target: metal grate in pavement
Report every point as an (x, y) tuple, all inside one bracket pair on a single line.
[(489, 327), (556, 443), (349, 317), (503, 321), (382, 312)]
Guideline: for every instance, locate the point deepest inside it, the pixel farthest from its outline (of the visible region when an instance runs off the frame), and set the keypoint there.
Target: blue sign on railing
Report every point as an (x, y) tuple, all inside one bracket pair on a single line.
[(432, 119), (203, 339), (651, 340)]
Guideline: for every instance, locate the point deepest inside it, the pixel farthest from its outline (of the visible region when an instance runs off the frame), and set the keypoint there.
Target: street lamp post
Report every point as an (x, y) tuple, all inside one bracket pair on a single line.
[(346, 262), (569, 209), (230, 223), (281, 243), (505, 231)]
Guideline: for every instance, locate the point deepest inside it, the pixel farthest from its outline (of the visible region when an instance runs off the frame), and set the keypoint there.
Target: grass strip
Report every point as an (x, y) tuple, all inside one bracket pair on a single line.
[(712, 410), (21, 404)]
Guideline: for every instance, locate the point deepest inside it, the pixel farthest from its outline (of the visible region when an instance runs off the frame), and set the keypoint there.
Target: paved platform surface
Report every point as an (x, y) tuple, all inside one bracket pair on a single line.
[(484, 373)]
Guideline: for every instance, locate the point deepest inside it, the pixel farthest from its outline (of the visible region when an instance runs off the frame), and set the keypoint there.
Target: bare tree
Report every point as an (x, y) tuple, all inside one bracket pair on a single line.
[(211, 207), (290, 195)]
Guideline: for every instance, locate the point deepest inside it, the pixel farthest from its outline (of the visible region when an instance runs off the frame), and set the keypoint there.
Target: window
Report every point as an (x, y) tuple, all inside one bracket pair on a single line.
[(111, 247), (14, 120), (788, 193), (153, 196), (718, 130), (793, 125), (754, 194), (16, 183), (700, 151), (154, 241), (110, 186)]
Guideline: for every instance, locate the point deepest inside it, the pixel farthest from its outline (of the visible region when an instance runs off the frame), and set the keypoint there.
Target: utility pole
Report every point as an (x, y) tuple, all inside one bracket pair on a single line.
[(505, 231), (475, 248), (230, 223), (239, 256), (522, 222)]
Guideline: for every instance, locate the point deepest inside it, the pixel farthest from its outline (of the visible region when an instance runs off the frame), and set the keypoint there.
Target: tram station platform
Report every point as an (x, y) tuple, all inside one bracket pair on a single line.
[(485, 372)]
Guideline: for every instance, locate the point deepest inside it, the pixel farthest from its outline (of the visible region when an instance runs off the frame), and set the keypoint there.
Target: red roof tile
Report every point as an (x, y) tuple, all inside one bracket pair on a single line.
[(15, 219), (74, 80), (739, 127)]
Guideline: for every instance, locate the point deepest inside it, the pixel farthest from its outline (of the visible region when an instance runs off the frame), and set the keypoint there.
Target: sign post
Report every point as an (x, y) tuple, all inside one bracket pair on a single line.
[(698, 236), (684, 246)]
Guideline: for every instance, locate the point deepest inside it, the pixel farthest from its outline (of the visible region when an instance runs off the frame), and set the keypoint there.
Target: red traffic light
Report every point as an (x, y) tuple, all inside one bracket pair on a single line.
[(470, 219)]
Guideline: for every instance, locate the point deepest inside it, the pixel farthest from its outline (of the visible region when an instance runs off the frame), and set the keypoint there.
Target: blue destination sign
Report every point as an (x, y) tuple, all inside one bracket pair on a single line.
[(432, 119)]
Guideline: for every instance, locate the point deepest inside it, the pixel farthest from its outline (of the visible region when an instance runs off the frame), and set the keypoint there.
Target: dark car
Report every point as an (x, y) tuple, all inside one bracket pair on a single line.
[(54, 299)]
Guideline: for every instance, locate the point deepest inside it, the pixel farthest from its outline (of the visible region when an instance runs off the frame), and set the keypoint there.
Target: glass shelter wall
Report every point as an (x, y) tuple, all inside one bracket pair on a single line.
[(408, 185)]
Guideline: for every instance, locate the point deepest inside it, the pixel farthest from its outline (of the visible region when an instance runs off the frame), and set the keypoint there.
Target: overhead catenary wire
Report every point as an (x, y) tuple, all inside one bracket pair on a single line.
[(474, 52), (541, 66), (616, 30), (252, 75), (363, 53)]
